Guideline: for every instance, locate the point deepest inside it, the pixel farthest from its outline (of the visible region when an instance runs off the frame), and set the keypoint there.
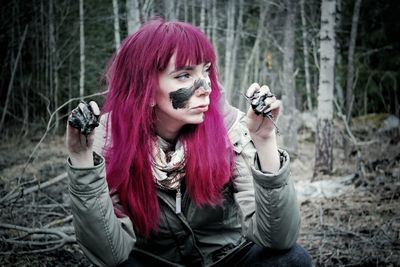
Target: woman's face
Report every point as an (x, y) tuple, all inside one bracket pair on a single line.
[(183, 95)]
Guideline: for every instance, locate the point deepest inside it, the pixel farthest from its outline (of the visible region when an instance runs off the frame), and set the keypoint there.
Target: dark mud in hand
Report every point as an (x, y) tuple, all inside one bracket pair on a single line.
[(84, 118)]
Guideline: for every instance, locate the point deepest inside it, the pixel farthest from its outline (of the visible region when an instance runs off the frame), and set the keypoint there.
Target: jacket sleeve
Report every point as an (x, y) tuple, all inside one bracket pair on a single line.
[(267, 202), (105, 239)]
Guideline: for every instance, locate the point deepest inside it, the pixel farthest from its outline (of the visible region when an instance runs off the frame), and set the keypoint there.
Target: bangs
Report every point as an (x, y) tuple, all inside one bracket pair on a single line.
[(190, 45)]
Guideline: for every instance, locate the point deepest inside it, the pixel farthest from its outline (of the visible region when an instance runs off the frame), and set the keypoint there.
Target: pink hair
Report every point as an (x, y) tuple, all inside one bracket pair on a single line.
[(132, 80)]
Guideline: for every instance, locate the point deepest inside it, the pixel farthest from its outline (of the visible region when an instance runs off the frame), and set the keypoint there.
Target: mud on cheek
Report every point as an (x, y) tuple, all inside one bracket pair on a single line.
[(180, 98)]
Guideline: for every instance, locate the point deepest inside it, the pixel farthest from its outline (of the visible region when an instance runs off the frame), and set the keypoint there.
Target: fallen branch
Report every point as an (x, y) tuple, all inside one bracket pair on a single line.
[(59, 221), (53, 244), (21, 191), (352, 137)]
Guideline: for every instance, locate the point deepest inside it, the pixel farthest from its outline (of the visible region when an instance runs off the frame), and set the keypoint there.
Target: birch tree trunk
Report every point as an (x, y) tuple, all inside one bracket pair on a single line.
[(117, 35), (324, 139), (350, 60), (306, 60), (82, 49), (133, 16), (289, 120)]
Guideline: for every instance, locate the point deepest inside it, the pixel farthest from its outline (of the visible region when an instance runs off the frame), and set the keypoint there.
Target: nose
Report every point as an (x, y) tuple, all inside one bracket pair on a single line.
[(202, 87)]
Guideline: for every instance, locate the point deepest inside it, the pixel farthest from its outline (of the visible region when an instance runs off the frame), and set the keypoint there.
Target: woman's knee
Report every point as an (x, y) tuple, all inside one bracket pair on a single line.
[(299, 256), (296, 256)]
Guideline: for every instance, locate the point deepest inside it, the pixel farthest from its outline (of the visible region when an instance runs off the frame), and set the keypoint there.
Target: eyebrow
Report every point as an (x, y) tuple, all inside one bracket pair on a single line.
[(182, 68), (187, 68)]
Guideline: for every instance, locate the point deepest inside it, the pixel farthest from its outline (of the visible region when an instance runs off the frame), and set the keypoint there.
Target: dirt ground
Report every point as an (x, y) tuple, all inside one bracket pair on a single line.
[(360, 228)]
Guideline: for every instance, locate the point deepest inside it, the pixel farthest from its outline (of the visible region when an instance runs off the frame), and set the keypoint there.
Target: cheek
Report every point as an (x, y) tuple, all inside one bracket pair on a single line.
[(180, 98)]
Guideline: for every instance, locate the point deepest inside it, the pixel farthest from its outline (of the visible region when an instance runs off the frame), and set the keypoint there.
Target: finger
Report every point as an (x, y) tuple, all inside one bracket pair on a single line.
[(265, 90), (84, 110), (276, 105), (252, 89), (269, 100), (95, 108)]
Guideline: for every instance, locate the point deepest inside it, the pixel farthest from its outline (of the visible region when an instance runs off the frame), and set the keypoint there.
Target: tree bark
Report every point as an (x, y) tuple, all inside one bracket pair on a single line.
[(232, 67), (133, 15), (339, 60), (306, 60), (230, 38), (289, 120), (350, 60), (117, 35), (323, 141), (82, 49), (54, 81)]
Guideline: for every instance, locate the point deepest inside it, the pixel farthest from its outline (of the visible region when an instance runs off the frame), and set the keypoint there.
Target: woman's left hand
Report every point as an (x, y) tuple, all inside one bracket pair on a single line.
[(260, 126)]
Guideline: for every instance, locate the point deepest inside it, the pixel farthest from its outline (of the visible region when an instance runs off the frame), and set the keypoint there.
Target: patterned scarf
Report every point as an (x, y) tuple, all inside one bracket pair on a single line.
[(168, 164)]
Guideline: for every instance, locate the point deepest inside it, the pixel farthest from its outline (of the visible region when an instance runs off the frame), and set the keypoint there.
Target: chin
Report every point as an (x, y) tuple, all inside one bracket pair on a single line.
[(197, 119)]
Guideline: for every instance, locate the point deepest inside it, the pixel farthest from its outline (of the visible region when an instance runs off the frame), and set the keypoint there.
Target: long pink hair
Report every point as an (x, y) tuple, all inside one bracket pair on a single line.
[(133, 80)]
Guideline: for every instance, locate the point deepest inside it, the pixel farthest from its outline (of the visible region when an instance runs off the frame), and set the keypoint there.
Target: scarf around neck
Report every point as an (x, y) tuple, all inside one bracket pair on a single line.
[(168, 164)]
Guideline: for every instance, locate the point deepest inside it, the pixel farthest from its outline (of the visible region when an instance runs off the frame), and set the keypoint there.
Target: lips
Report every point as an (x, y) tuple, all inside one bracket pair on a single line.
[(201, 108)]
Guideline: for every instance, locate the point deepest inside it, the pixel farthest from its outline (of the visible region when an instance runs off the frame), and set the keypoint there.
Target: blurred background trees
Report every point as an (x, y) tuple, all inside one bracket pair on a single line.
[(52, 51)]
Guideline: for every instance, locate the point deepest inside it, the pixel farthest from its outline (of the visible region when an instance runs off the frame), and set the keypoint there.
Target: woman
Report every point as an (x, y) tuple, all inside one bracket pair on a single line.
[(189, 180)]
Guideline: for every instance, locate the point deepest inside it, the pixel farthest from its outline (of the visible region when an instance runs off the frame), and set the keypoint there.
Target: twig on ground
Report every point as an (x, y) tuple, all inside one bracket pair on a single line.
[(49, 245), (59, 221), (12, 195)]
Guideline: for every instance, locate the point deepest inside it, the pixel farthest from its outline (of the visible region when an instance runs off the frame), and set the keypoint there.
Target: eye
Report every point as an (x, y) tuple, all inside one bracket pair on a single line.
[(207, 69), (183, 76)]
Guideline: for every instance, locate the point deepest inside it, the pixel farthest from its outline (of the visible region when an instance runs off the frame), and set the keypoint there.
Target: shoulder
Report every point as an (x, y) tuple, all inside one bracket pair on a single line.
[(238, 132)]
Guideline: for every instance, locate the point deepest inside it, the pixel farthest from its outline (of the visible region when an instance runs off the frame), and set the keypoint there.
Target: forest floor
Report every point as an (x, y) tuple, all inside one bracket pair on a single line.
[(357, 226)]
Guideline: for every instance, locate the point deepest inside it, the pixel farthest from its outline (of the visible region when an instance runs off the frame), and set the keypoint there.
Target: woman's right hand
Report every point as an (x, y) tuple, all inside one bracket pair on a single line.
[(80, 146)]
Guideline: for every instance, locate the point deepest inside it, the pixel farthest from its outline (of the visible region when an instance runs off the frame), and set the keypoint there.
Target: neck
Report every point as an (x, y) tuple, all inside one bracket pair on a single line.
[(168, 131)]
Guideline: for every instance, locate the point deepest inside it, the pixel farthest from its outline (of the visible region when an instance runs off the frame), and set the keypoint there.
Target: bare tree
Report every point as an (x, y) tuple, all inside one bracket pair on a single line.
[(170, 9), (54, 80), (253, 53), (10, 84), (82, 49), (117, 35), (305, 52), (339, 59), (214, 26), (230, 39), (203, 16), (289, 120), (133, 15), (323, 141), (350, 60)]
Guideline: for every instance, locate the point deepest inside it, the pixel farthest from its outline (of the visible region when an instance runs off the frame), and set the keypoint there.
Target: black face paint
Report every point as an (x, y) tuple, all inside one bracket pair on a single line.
[(180, 97)]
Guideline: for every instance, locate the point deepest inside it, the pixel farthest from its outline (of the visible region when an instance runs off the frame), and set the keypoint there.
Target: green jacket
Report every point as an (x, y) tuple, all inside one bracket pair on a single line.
[(257, 206)]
